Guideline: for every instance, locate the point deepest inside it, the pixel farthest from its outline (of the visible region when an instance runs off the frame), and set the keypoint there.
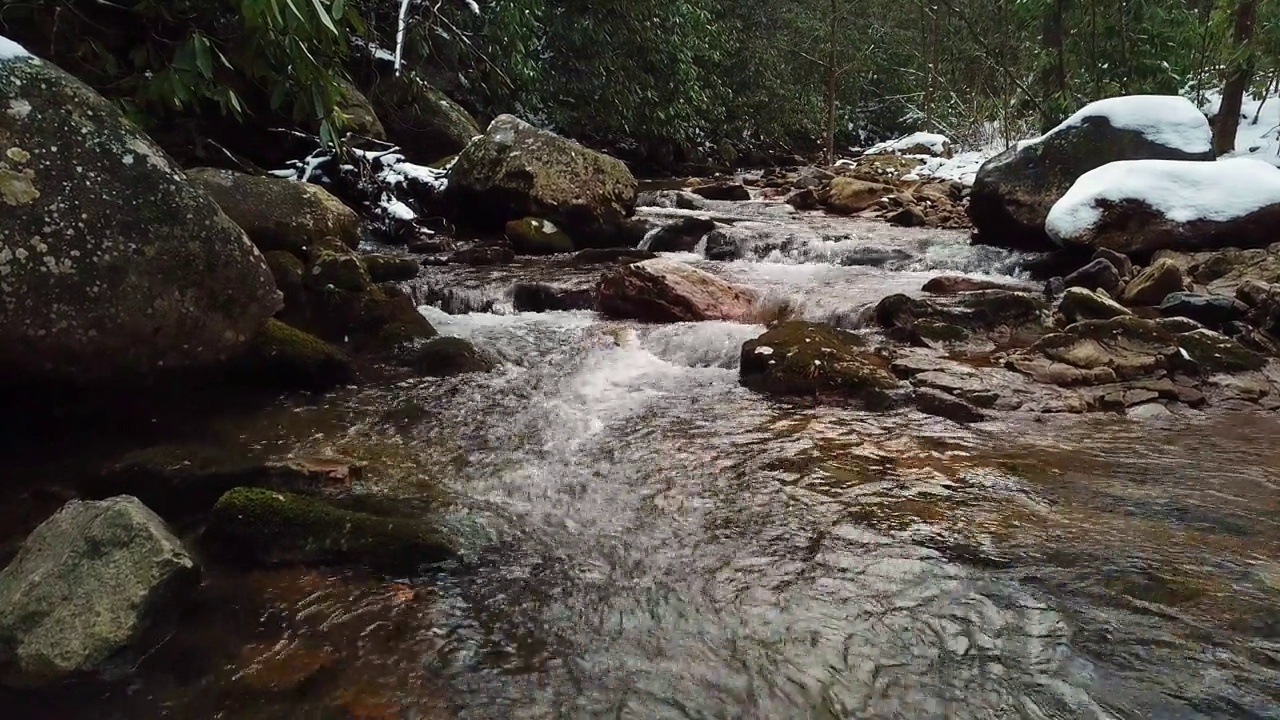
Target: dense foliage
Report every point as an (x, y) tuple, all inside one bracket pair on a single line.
[(668, 79)]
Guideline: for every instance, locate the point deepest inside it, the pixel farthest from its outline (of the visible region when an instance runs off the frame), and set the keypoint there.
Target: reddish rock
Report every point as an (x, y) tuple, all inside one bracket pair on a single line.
[(663, 290)]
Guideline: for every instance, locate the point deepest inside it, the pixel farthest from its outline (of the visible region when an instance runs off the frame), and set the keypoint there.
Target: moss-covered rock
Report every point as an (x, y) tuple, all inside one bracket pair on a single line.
[(535, 236), (288, 270), (355, 113), (1212, 352), (287, 358), (340, 271), (265, 527), (425, 123), (112, 266), (390, 268), (803, 358), (847, 196), (279, 214), (445, 356), (380, 318), (516, 170)]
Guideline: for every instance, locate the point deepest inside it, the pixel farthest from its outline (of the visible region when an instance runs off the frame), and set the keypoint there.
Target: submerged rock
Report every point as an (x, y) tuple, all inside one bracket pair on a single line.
[(84, 587), (265, 527), (112, 265), (445, 356), (807, 359), (279, 214), (516, 170), (1014, 191), (662, 290)]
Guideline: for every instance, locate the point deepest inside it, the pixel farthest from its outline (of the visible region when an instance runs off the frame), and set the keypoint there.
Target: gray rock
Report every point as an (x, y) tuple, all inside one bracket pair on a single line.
[(85, 585), (111, 263), (1119, 260), (1081, 304), (1099, 274), (1153, 283), (1214, 311), (935, 402), (279, 214), (682, 235)]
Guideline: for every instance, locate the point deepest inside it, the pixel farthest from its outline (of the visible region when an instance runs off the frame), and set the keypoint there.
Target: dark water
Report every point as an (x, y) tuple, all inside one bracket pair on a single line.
[(646, 539)]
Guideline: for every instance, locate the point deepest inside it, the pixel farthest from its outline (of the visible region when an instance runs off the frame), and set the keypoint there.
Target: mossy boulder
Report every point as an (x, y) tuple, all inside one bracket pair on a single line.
[(426, 125), (279, 214), (807, 359), (535, 236), (256, 526), (112, 265), (355, 113), (337, 270), (1213, 353), (287, 358), (847, 196), (445, 356), (383, 267), (516, 170), (374, 320)]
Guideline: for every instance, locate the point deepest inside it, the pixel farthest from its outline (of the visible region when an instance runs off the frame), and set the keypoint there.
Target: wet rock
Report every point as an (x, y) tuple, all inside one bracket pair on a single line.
[(279, 214), (999, 312), (662, 290), (1128, 346), (534, 236), (1081, 304), (287, 358), (1213, 311), (807, 359), (1120, 261), (969, 387), (936, 402), (804, 199), (483, 255), (541, 297), (112, 266), (1177, 325), (1051, 372), (390, 268), (180, 480), (264, 527), (1153, 283), (1211, 352), (683, 235), (341, 270), (725, 190), (288, 271), (1099, 274), (1014, 191), (737, 241), (516, 170), (85, 586), (603, 256), (430, 247), (848, 196), (909, 216), (447, 356), (671, 199), (378, 319), (956, 284)]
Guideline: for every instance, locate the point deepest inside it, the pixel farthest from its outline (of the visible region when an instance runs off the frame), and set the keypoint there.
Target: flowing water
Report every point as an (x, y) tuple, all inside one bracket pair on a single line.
[(647, 539)]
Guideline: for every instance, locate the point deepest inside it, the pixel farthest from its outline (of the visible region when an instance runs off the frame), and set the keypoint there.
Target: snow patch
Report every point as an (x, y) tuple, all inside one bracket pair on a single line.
[(1181, 190), (10, 50), (1258, 135), (398, 210), (963, 168), (1168, 120), (937, 144)]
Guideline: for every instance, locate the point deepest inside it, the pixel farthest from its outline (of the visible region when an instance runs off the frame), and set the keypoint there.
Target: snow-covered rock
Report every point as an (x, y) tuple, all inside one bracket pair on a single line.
[(1147, 205), (920, 143), (111, 264), (1013, 191)]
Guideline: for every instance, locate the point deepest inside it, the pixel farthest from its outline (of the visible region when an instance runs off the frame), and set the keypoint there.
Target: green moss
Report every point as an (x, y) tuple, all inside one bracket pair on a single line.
[(535, 236), (802, 358), (288, 358), (341, 271), (265, 527)]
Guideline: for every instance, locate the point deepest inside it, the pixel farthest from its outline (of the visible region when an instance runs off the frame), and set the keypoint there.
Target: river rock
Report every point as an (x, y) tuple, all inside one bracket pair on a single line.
[(1223, 271), (516, 170), (1213, 353), (1119, 261), (1141, 206), (662, 290), (995, 312), (1154, 283), (683, 235), (1213, 311), (1080, 304), (804, 199), (1014, 191), (671, 199), (848, 196), (956, 284), (286, 358), (383, 267), (807, 359), (1127, 346), (535, 236), (936, 402), (425, 123), (279, 214), (85, 585), (726, 190), (543, 297), (265, 527), (111, 263), (447, 356), (1099, 274)]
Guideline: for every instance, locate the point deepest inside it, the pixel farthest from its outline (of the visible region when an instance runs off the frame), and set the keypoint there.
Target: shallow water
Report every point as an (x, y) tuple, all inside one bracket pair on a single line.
[(647, 539)]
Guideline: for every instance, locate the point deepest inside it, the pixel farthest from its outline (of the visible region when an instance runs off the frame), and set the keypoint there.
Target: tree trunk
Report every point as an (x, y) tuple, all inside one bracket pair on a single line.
[(1053, 80), (1227, 121), (832, 76)]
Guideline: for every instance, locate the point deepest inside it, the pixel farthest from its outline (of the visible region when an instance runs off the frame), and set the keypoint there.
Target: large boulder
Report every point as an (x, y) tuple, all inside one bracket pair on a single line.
[(1013, 191), (1141, 206), (421, 120), (279, 214), (111, 263), (846, 196), (662, 290), (806, 359), (516, 170), (84, 587)]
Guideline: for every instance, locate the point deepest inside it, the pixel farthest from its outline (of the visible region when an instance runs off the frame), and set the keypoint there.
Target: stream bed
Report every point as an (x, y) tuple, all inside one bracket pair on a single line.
[(647, 539)]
